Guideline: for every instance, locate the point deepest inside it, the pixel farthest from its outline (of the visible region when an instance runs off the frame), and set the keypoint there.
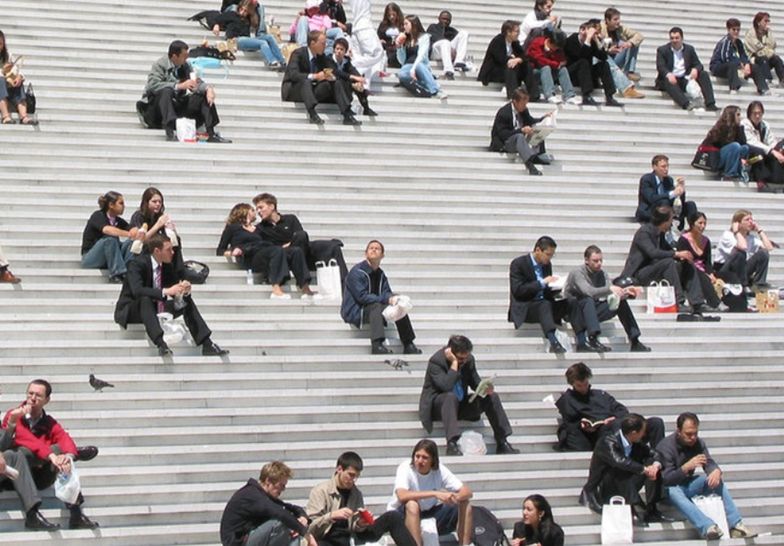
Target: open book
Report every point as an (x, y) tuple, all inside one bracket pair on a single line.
[(592, 424), (482, 388)]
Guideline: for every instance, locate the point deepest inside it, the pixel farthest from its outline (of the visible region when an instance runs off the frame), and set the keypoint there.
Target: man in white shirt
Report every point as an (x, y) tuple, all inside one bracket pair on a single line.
[(424, 488), (742, 253), (677, 63)]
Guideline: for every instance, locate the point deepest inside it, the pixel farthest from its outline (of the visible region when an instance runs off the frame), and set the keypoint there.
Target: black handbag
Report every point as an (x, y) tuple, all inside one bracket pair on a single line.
[(707, 158), (196, 272), (30, 99)]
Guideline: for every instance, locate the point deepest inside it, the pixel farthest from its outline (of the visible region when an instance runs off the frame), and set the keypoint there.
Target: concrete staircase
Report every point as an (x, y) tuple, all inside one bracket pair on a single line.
[(178, 437)]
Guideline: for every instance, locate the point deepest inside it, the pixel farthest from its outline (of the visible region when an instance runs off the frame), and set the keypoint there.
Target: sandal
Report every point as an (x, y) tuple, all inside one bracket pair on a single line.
[(28, 121), (8, 121)]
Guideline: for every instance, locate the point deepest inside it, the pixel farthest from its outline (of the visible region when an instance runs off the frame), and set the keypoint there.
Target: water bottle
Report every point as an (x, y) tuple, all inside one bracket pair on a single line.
[(137, 245), (677, 205), (249, 277)]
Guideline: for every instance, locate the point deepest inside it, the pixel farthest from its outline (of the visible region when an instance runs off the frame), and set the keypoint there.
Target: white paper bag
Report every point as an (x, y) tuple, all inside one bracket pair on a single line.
[(713, 507), (617, 522), (393, 313), (328, 279), (429, 532), (67, 486), (661, 298), (186, 130)]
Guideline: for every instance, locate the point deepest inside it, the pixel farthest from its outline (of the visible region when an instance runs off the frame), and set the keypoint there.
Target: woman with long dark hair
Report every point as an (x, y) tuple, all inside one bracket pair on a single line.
[(11, 88), (413, 53), (760, 46), (727, 134), (390, 27), (101, 246), (695, 241), (152, 218), (537, 526)]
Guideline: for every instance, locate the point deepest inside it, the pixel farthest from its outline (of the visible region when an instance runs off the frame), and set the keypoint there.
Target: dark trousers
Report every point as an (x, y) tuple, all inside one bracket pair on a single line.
[(588, 314), (45, 473), (769, 170), (298, 264), (678, 274), (678, 91), (523, 73), (269, 260), (739, 270), (582, 74), (167, 105), (326, 250), (448, 410), (24, 485), (547, 313), (372, 314), (337, 92), (730, 71), (144, 310), (768, 63), (628, 485), (391, 522)]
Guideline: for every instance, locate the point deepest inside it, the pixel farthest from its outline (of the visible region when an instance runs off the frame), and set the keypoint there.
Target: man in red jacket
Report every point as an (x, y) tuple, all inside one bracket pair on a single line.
[(48, 447)]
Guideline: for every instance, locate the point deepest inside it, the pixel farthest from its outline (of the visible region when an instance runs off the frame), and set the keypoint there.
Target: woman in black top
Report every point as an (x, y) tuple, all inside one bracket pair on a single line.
[(388, 30), (537, 527), (253, 252), (694, 240), (101, 246), (152, 214), (728, 135)]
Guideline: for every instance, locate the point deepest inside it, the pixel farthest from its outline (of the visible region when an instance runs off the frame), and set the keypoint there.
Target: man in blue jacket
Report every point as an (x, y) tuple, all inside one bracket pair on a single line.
[(729, 59), (366, 296)]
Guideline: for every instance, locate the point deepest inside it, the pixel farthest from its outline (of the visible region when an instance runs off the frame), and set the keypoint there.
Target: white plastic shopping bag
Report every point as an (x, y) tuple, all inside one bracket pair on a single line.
[(472, 443), (174, 330), (393, 313), (67, 486), (328, 279), (617, 522), (186, 130), (713, 507), (661, 298)]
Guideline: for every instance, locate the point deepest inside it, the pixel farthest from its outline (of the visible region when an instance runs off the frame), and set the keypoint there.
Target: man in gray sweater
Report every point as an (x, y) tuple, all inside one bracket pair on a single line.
[(595, 299)]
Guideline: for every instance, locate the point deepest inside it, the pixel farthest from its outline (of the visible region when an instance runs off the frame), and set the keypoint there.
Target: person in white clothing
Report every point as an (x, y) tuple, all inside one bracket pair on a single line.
[(449, 45), (424, 488), (742, 253), (367, 53), (541, 17)]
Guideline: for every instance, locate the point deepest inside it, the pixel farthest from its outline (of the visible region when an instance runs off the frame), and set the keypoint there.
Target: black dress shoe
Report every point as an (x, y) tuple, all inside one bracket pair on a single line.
[(217, 139), (368, 111), (449, 76), (378, 348), (588, 499), (411, 349), (557, 348), (314, 118), (170, 136), (612, 102), (116, 279), (638, 519), (210, 348), (597, 345), (349, 119), (505, 448), (452, 449), (35, 521), (86, 453), (639, 347), (711, 108), (654, 516), (532, 170), (589, 101), (163, 349), (80, 521)]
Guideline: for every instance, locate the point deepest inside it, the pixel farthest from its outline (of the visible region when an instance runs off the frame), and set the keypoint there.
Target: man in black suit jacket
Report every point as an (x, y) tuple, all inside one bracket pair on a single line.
[(531, 299), (673, 79), (310, 78), (346, 71), (511, 127), (621, 463), (505, 62), (450, 372), (152, 286), (651, 258), (582, 49), (658, 188)]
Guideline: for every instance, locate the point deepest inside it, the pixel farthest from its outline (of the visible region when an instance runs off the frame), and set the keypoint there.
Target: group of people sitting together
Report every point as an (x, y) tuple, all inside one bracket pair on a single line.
[(12, 90)]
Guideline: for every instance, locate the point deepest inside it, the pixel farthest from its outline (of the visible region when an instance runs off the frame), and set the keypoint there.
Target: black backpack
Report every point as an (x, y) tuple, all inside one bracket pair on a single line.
[(488, 531)]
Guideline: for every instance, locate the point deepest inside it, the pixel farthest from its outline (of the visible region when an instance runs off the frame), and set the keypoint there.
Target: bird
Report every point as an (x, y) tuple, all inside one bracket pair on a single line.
[(398, 364), (99, 384)]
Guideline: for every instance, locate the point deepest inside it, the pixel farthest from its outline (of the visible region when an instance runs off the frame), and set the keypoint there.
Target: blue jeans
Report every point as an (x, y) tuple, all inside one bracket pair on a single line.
[(548, 84), (731, 155), (109, 253), (271, 533), (264, 44), (302, 34), (680, 496), (424, 76), (627, 59)]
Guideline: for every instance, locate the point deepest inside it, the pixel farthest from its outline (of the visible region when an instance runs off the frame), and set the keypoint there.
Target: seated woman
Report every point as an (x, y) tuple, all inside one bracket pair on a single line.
[(249, 29), (413, 53), (699, 245), (547, 56), (537, 526), (762, 141), (390, 27), (727, 134), (151, 218), (313, 18), (101, 246), (286, 231), (505, 62), (12, 89), (241, 240), (760, 46)]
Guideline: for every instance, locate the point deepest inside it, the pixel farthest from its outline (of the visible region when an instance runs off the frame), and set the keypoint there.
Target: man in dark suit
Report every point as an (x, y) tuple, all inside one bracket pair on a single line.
[(346, 71), (673, 76), (152, 286), (651, 259), (450, 373), (512, 125), (531, 299), (582, 49), (172, 92), (505, 62), (621, 463), (658, 188), (310, 78)]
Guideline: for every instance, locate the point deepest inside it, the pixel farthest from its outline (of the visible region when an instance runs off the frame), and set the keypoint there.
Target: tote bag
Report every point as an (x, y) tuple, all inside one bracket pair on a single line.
[(617, 522), (713, 507), (328, 279), (661, 298)]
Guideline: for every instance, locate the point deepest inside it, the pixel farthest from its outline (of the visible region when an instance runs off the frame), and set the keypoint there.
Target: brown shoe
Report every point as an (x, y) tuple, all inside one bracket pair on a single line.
[(632, 93), (9, 277)]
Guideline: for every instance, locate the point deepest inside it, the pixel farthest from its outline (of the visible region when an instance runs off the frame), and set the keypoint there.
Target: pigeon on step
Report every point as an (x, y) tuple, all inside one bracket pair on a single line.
[(99, 384)]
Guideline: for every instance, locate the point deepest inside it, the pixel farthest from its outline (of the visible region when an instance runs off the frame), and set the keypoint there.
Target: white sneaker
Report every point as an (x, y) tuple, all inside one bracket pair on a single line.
[(441, 95), (275, 296), (555, 99), (574, 100), (733, 92)]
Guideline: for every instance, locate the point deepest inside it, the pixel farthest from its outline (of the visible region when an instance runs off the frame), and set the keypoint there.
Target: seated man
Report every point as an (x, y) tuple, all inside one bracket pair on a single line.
[(761, 47), (451, 371), (512, 127), (589, 288), (309, 78), (505, 62), (531, 299), (366, 295), (677, 63), (448, 44), (425, 488), (742, 254), (658, 188), (584, 49), (255, 515), (153, 286), (621, 464), (172, 92), (344, 70), (49, 450), (587, 413), (680, 454), (624, 43), (337, 511), (5, 273), (23, 483), (729, 59), (651, 259), (546, 55)]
